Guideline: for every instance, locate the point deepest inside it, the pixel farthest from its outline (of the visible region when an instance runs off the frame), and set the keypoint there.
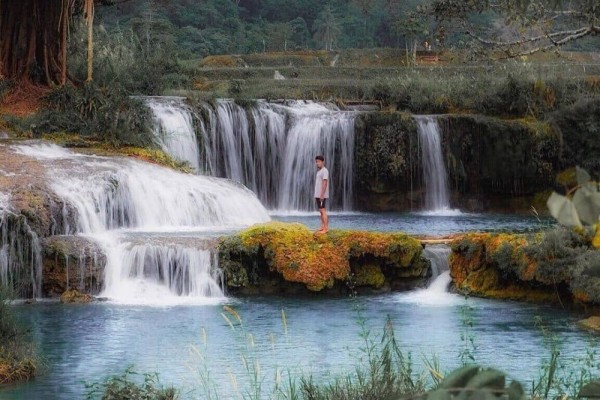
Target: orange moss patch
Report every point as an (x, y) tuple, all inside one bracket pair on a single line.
[(222, 61), (581, 296), (468, 255), (319, 260), (596, 239), (519, 293), (74, 297), (298, 254), (15, 371), (474, 269)]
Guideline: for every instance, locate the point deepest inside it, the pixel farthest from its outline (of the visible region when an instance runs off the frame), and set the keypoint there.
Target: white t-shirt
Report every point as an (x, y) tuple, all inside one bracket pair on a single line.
[(322, 174)]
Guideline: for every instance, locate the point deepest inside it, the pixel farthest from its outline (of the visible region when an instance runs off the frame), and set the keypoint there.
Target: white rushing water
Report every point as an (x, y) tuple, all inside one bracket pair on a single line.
[(20, 255), (174, 129), (436, 293), (270, 148), (435, 178), (4, 201), (116, 196)]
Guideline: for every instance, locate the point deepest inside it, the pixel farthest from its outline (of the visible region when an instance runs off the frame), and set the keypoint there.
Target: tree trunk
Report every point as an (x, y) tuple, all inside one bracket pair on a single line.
[(64, 36), (33, 40), (89, 19)]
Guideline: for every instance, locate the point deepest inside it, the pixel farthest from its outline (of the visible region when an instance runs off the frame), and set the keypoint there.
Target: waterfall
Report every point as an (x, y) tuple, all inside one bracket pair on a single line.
[(156, 271), (270, 148), (20, 254), (440, 271), (434, 170), (174, 129), (315, 130), (436, 293), (114, 197)]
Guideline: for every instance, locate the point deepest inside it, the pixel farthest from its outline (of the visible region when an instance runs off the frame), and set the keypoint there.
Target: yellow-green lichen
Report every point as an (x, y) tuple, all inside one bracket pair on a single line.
[(369, 275), (318, 261)]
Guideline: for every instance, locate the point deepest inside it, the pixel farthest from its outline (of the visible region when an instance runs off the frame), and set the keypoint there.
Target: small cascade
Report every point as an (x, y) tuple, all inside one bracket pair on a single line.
[(436, 293), (435, 177), (138, 195), (270, 148), (115, 198), (157, 272), (174, 128), (20, 255), (438, 255)]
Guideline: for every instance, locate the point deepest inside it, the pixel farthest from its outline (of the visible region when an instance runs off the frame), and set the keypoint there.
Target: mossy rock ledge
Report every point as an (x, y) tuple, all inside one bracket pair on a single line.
[(72, 262), (558, 266), (288, 259)]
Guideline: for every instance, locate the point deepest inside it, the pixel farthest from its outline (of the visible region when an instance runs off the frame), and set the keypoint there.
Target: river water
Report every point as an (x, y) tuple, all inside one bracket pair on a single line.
[(423, 223), (320, 337)]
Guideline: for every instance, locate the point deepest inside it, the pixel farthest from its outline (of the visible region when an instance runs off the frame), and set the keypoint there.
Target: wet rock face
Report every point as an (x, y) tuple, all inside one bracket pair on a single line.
[(278, 258), (20, 255), (72, 262), (29, 211), (559, 266), (24, 181), (495, 157), (492, 163)]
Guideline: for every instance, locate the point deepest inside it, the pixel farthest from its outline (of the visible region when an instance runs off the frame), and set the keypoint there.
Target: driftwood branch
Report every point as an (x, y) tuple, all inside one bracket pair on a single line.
[(572, 33), (555, 44)]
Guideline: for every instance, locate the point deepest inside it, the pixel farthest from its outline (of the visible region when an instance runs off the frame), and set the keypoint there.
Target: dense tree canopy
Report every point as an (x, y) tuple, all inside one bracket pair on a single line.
[(34, 33)]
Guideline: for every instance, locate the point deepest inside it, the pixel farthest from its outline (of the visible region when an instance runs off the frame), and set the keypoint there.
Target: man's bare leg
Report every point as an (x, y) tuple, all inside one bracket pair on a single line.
[(324, 221)]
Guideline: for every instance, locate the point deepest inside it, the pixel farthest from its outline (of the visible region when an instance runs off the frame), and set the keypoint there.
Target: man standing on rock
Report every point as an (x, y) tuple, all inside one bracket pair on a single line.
[(322, 192)]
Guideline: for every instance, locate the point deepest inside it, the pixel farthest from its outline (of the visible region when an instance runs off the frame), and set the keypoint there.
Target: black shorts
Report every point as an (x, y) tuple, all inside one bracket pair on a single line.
[(321, 203)]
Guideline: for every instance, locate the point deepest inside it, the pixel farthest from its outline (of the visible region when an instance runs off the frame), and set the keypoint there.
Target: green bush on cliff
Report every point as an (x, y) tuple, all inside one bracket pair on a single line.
[(104, 113), (579, 126), (556, 265)]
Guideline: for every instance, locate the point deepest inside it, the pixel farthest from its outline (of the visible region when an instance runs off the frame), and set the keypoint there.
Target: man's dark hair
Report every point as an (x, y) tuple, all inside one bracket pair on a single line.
[(320, 158)]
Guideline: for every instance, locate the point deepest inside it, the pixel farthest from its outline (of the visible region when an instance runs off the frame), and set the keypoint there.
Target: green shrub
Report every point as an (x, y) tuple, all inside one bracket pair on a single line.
[(17, 359), (125, 387), (104, 113), (5, 87)]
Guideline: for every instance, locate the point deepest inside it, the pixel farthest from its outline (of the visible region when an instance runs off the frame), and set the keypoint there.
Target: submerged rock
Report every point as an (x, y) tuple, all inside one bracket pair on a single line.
[(75, 297), (591, 323), (288, 258), (72, 262), (558, 266)]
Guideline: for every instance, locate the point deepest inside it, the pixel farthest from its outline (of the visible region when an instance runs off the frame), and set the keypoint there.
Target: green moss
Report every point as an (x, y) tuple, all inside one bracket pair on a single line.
[(369, 275), (559, 262), (318, 261)]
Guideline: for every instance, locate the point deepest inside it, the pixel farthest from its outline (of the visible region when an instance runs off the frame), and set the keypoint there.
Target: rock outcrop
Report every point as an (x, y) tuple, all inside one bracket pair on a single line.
[(279, 258), (72, 262), (557, 266)]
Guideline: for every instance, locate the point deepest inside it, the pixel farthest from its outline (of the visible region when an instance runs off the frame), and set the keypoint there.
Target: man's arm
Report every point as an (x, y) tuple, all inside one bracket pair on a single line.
[(323, 188)]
